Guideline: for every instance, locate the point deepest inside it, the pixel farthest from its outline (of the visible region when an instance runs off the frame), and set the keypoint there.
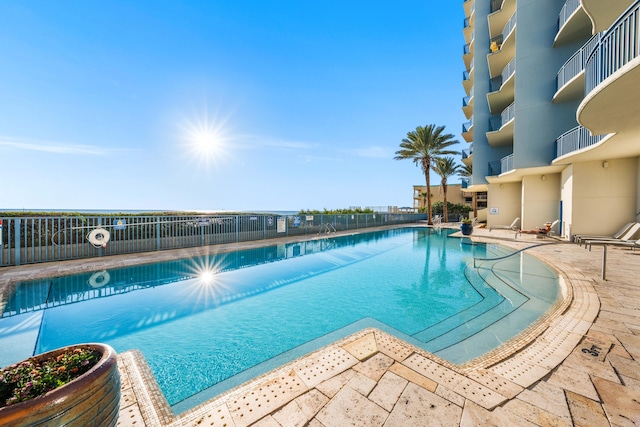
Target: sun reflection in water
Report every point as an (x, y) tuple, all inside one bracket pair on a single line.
[(207, 289)]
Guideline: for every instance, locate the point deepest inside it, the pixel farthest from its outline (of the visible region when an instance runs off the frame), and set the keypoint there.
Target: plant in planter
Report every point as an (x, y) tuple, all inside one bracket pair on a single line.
[(75, 386), (466, 227)]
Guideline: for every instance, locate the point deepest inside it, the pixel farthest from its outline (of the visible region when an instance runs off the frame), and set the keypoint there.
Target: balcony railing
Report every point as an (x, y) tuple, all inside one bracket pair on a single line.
[(465, 49), (496, 5), (465, 23), (508, 113), (496, 122), (506, 163), (511, 24), (465, 101), (465, 75), (495, 168), (509, 70), (467, 153), (618, 46), (466, 182), (576, 63), (466, 127), (567, 10), (575, 139)]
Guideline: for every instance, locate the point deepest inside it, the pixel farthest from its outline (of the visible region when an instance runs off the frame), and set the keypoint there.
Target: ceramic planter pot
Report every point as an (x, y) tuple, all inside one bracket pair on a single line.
[(466, 229), (91, 399)]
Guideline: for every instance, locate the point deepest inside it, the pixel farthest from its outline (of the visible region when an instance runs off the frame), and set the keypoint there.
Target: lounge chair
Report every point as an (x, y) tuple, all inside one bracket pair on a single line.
[(633, 244), (545, 231), (577, 238), (633, 233), (513, 226)]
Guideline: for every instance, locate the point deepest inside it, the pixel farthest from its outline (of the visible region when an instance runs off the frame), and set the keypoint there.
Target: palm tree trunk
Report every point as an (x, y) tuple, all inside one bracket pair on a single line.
[(427, 170), (445, 210)]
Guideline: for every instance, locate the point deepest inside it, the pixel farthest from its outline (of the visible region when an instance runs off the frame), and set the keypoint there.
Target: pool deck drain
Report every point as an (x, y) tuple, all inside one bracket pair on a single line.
[(576, 366)]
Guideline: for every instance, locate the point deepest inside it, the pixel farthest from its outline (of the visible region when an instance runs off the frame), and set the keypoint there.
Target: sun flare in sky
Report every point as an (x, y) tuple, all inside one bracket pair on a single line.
[(207, 140)]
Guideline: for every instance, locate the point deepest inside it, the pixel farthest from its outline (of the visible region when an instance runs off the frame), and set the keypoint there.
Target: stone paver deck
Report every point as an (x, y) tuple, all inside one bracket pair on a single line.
[(576, 366)]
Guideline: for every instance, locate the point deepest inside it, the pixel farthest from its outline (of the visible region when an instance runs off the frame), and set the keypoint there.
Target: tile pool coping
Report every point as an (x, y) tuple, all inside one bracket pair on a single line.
[(487, 381)]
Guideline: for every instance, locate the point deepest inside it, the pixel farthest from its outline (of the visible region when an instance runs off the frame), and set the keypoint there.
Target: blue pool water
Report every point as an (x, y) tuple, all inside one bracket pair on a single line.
[(207, 324)]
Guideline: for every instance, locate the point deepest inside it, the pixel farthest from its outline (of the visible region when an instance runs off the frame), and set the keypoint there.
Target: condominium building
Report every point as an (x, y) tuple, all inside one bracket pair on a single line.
[(553, 102)]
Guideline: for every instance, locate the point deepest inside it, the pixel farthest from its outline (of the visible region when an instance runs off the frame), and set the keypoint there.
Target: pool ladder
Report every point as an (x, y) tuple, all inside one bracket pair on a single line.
[(327, 228)]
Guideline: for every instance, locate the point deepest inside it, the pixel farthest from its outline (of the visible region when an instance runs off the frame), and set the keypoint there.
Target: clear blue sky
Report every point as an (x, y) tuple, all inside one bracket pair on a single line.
[(234, 105)]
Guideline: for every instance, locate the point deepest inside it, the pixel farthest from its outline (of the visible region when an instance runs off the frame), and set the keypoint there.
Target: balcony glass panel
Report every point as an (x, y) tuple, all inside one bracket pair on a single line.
[(467, 126), (495, 84), (496, 5)]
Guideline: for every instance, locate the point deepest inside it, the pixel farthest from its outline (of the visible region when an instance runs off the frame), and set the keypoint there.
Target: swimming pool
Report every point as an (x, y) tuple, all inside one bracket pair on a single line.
[(209, 323)]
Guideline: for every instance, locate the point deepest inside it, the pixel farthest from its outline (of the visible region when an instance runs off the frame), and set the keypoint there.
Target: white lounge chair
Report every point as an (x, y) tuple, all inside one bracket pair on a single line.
[(633, 244), (633, 233), (513, 226), (577, 238)]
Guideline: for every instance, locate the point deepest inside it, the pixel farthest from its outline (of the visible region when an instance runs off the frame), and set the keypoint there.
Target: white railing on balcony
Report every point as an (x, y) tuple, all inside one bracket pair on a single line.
[(567, 10), (575, 65), (465, 101), (511, 24), (509, 70), (619, 45), (506, 163), (466, 127), (575, 139), (508, 113)]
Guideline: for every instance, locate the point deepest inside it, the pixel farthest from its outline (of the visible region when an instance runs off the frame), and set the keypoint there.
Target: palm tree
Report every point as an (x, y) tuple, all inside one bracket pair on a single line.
[(466, 171), (445, 167), (423, 146)]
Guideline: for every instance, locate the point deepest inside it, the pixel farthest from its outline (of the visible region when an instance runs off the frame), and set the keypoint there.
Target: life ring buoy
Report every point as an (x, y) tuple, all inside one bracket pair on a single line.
[(99, 237), (99, 279)]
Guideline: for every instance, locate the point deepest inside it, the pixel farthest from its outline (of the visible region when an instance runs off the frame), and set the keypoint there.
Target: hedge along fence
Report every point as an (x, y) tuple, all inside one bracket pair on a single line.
[(44, 238)]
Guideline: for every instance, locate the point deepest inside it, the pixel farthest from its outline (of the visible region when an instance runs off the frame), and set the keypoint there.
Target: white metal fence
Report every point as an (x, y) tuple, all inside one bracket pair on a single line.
[(29, 240)]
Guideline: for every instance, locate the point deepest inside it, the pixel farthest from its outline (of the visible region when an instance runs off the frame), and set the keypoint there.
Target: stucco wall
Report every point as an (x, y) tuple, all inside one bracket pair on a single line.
[(604, 199), (540, 200), (506, 198)]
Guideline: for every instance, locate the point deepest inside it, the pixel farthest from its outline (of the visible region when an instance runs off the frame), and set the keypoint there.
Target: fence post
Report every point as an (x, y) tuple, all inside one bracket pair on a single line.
[(17, 243), (237, 228), (158, 245)]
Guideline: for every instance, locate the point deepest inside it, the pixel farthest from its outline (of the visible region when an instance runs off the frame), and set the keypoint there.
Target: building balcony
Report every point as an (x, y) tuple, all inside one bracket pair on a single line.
[(503, 48), (468, 27), (612, 72), (604, 14), (468, 6), (501, 11), (467, 106), (574, 140), (573, 23), (506, 164), (467, 78), (467, 55), (467, 156), (467, 131), (502, 88), (501, 128), (570, 78)]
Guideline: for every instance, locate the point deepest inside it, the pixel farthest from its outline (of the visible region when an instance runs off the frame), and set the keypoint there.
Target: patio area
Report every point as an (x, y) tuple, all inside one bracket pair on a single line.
[(576, 366)]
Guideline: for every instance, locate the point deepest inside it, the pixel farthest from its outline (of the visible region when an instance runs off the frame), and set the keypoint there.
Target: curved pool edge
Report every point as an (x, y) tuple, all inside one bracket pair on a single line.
[(504, 376), (488, 381)]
